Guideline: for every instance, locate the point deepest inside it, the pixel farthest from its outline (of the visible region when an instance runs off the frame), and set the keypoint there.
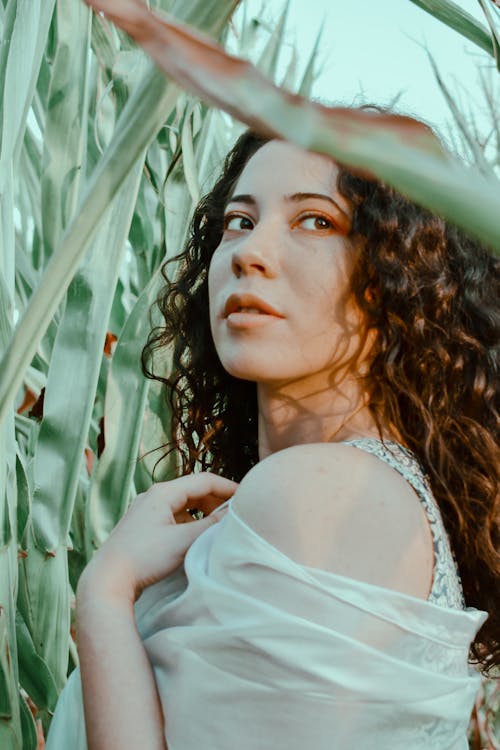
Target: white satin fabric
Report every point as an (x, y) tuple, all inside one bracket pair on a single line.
[(254, 651)]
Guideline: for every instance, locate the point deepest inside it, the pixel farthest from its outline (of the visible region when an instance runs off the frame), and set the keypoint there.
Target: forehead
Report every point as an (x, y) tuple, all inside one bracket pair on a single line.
[(279, 168)]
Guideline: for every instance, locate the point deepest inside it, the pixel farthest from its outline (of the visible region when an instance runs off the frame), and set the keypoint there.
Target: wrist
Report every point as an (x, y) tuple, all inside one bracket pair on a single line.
[(103, 579)]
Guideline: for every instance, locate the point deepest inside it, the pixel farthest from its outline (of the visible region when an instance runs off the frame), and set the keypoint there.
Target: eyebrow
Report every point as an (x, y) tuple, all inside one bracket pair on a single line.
[(294, 197)]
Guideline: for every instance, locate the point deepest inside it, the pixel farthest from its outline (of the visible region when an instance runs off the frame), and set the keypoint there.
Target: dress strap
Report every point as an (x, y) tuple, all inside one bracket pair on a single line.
[(446, 587), (400, 458)]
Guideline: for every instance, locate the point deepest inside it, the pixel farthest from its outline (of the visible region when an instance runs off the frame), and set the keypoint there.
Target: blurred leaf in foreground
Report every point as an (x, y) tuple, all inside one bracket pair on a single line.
[(399, 150)]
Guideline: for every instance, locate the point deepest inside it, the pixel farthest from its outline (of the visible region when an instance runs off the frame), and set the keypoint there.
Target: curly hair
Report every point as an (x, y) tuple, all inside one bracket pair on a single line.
[(432, 295)]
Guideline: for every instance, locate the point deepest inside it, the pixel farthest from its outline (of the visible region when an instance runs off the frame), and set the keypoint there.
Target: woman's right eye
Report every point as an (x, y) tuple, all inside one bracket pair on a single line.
[(237, 223)]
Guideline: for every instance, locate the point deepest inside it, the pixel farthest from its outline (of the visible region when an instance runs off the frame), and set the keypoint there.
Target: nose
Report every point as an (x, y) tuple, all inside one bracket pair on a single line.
[(255, 252)]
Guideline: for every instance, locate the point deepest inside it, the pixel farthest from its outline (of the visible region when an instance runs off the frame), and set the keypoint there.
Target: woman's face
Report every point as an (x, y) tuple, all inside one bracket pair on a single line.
[(285, 241)]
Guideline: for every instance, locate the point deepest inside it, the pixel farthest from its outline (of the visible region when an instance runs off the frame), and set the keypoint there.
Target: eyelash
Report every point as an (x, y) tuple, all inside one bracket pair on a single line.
[(308, 215), (314, 215), (229, 217)]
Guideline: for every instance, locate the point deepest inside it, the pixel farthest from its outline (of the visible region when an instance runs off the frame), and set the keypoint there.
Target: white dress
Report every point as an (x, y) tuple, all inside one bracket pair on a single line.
[(253, 650)]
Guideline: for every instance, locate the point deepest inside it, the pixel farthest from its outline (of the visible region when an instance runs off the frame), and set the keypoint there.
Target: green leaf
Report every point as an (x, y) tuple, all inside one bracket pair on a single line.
[(28, 727), (10, 722), (126, 392), (23, 498), (458, 19), (43, 579), (74, 367), (34, 675), (188, 160), (105, 42), (310, 73), (495, 31), (65, 130), (141, 119), (6, 681), (469, 138), (156, 427), (25, 37), (269, 59)]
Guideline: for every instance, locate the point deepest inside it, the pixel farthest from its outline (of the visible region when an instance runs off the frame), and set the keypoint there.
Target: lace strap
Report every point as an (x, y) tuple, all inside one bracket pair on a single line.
[(398, 456), (447, 587)]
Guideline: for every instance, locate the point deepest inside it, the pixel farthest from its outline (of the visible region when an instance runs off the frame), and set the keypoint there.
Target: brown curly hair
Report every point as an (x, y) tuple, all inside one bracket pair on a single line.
[(432, 294)]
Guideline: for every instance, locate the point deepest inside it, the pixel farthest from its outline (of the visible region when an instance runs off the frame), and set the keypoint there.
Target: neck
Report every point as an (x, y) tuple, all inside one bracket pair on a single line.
[(313, 412)]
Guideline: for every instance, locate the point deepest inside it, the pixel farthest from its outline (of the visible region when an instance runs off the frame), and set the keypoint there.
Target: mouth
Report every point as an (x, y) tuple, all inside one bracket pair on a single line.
[(251, 310), (249, 304), (241, 319)]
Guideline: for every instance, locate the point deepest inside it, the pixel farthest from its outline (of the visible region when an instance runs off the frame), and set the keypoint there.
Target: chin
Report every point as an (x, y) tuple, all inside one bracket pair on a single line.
[(255, 374), (244, 373), (243, 367)]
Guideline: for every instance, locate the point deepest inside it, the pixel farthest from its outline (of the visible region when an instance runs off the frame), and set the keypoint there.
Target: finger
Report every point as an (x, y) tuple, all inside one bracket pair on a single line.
[(192, 531), (198, 486), (208, 504), (183, 516)]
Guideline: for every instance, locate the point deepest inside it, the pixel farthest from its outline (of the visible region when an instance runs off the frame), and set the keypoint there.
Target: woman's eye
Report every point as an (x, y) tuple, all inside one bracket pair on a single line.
[(316, 222), (237, 223)]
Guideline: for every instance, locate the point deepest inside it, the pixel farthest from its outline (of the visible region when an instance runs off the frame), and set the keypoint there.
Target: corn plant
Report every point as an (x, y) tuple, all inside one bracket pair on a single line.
[(101, 162)]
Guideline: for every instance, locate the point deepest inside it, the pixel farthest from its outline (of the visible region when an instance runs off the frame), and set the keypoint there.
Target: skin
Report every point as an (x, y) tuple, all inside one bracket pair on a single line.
[(146, 545), (322, 503), (363, 518), (295, 254)]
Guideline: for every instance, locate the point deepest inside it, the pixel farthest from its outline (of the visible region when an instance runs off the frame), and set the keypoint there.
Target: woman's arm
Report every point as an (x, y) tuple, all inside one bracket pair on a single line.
[(121, 703)]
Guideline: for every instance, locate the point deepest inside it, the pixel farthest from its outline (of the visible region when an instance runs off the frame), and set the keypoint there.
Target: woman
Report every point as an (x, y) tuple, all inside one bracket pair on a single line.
[(336, 352)]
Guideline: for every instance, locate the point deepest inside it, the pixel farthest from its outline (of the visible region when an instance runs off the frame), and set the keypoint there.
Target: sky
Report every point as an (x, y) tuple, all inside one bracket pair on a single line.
[(375, 47)]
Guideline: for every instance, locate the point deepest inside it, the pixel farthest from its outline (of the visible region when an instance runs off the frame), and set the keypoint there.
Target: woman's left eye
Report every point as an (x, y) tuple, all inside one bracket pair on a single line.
[(315, 222)]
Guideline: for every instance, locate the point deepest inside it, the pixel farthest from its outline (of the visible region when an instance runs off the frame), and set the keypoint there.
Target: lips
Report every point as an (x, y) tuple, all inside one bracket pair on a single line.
[(236, 301)]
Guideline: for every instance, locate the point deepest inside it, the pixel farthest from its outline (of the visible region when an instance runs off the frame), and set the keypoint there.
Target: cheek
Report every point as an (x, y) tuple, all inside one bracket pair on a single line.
[(217, 286), (214, 281), (329, 296)]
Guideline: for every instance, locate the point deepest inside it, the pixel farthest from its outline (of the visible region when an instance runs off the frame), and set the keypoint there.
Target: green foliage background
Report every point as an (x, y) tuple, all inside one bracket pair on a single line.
[(101, 162)]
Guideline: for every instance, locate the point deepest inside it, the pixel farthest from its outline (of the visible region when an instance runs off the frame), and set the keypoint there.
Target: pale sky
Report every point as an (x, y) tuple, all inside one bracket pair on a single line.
[(375, 47)]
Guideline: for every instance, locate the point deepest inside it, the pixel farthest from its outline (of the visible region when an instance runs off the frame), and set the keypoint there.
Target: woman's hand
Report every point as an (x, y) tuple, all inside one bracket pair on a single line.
[(152, 538), (148, 543)]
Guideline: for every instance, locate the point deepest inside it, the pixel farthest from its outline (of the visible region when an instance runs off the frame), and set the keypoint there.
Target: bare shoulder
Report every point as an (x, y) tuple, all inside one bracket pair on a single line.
[(341, 509)]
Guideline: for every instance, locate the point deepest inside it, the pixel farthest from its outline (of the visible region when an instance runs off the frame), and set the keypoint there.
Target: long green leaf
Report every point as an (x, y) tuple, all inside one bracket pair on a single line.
[(29, 198), (124, 410), (10, 720), (44, 604), (74, 368), (65, 130), (146, 110), (26, 27), (23, 498), (6, 699), (140, 121), (28, 727), (269, 59), (25, 45), (8, 20), (495, 30), (310, 73), (34, 675), (458, 19), (469, 138)]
